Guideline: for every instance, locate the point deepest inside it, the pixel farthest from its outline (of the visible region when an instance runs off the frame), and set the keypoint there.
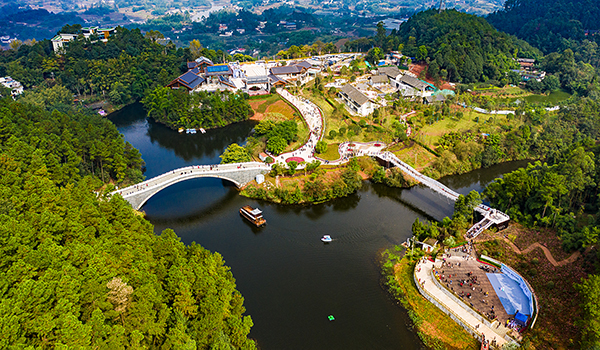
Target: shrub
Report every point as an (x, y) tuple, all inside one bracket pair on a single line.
[(292, 167), (321, 147)]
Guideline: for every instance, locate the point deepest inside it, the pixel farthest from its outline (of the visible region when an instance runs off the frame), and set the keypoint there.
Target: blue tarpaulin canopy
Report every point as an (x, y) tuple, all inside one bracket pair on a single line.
[(520, 318)]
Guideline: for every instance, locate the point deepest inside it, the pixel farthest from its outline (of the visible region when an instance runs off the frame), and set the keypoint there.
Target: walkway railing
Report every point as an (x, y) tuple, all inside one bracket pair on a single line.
[(160, 180), (491, 216)]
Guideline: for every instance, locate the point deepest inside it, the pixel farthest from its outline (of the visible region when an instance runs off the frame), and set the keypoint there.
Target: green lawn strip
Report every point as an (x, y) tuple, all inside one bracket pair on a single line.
[(414, 155), (332, 152), (488, 124), (435, 328)]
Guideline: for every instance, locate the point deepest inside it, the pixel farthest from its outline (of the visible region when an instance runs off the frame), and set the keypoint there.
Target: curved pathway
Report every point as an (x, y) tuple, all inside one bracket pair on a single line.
[(314, 120), (535, 245)]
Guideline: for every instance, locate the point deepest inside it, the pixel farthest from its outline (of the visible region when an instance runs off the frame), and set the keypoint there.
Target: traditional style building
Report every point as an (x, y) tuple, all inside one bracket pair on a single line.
[(356, 101)]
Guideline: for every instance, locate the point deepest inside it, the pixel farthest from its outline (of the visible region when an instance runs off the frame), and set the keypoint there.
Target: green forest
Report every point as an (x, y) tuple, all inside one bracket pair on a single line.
[(70, 145), (120, 70), (178, 109), (550, 25), (80, 269), (460, 47)]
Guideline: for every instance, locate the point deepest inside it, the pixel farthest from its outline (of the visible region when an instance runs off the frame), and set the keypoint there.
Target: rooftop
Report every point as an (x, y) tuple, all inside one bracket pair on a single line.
[(354, 94), (287, 70), (414, 82), (392, 71)]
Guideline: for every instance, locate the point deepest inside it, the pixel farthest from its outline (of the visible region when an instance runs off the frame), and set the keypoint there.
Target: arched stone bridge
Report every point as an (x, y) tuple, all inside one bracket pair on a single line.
[(238, 173)]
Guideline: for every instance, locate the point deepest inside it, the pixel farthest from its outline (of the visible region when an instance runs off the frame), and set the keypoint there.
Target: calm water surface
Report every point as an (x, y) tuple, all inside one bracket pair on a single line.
[(290, 280)]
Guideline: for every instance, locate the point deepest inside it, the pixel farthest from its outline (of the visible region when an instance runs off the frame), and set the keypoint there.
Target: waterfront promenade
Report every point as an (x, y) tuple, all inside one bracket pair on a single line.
[(442, 299)]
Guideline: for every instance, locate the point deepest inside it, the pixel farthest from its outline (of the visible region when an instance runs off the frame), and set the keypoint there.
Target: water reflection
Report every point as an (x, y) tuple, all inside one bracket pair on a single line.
[(290, 280), (164, 149)]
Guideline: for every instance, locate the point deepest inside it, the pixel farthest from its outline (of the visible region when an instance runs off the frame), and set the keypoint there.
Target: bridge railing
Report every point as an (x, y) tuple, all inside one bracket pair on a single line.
[(493, 215), (217, 168)]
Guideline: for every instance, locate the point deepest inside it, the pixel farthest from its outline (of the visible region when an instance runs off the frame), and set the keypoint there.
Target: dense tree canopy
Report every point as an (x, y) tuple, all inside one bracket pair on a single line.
[(548, 24), (277, 135), (464, 47), (71, 144), (126, 66), (82, 270), (177, 108)]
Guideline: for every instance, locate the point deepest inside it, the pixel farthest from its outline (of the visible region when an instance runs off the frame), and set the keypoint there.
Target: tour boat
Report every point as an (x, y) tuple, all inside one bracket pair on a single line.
[(326, 238), (254, 215)]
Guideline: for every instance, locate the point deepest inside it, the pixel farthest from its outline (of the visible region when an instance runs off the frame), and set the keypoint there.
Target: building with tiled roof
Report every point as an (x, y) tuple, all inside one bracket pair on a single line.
[(356, 101)]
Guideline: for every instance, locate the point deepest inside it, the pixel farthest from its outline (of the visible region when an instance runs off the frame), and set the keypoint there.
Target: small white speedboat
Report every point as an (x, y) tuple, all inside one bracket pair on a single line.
[(326, 239)]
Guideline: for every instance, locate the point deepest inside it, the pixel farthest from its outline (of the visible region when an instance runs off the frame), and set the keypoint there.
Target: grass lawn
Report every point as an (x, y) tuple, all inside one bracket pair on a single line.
[(430, 134), (435, 328), (271, 104), (332, 152), (554, 97), (414, 155)]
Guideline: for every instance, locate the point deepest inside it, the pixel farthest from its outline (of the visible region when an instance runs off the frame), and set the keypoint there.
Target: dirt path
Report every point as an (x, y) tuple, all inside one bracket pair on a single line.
[(535, 245)]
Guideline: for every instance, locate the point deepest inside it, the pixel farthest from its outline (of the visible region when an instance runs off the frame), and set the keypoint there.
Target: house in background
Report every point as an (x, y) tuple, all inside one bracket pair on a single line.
[(356, 101), (188, 80), (256, 78), (429, 244), (16, 88), (290, 73), (201, 63), (378, 80), (62, 39), (392, 73)]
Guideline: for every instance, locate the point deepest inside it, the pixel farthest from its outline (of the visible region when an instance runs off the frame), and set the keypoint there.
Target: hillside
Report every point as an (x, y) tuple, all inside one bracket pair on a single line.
[(545, 23), (459, 46), (83, 272)]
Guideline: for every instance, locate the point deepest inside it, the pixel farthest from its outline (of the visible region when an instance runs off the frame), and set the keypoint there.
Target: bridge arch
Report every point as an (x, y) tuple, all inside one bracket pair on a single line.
[(239, 174)]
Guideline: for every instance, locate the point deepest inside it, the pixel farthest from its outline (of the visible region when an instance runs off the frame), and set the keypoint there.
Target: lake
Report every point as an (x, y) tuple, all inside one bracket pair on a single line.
[(291, 281)]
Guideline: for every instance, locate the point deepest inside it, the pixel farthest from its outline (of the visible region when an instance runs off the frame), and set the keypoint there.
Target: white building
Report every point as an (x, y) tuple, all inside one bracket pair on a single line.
[(356, 101), (61, 39), (15, 87)]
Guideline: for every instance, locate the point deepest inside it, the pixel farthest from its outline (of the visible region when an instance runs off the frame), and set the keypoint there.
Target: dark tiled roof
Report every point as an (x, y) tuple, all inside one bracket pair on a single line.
[(275, 79), (379, 79), (191, 65), (196, 82), (287, 70), (188, 77), (354, 94), (392, 72), (304, 64), (413, 82), (196, 70), (189, 80)]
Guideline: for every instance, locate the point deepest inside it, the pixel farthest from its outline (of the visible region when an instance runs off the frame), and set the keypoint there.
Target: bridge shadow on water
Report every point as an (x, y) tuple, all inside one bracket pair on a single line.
[(191, 202)]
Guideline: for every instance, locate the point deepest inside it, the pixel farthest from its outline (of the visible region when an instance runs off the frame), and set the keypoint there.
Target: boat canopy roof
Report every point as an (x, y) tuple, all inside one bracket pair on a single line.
[(256, 211)]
